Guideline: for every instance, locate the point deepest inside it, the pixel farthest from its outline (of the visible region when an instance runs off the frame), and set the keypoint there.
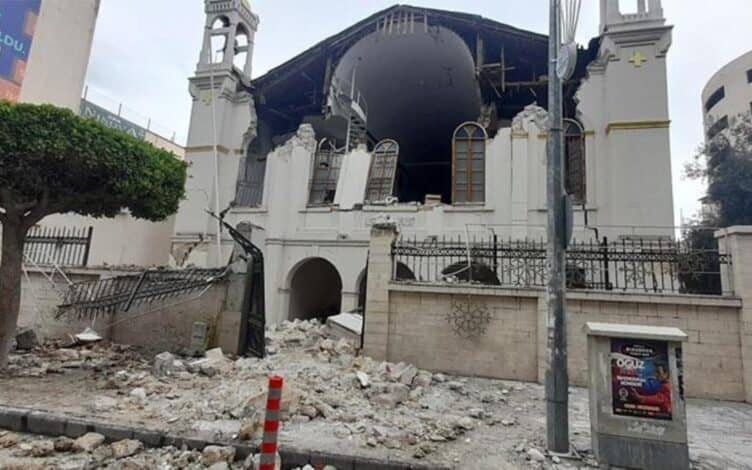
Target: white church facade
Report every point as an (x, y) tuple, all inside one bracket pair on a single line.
[(434, 119)]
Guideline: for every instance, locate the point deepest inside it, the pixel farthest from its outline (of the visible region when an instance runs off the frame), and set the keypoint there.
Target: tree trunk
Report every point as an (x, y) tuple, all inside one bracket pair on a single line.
[(11, 265)]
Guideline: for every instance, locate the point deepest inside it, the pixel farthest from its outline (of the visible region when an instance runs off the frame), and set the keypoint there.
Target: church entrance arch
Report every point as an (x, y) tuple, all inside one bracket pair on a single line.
[(315, 290)]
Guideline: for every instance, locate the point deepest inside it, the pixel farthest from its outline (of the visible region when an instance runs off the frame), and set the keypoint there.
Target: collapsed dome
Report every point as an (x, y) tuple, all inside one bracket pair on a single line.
[(419, 84)]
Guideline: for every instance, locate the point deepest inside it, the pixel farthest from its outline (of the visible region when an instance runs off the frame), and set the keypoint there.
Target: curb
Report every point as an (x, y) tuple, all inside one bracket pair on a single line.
[(31, 421)]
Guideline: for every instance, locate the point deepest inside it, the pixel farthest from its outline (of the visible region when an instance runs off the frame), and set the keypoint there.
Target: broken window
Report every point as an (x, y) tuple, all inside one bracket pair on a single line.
[(325, 174), (383, 169), (469, 164), (250, 190), (574, 161)]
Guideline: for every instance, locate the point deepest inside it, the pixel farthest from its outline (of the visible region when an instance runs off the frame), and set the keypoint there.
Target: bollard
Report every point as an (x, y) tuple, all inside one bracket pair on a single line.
[(271, 424)]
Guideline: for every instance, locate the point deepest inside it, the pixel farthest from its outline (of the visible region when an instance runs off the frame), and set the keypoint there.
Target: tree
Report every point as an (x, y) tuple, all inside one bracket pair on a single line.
[(53, 161), (725, 162)]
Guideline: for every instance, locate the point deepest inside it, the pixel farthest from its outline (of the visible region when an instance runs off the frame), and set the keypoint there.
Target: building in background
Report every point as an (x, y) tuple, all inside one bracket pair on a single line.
[(727, 95), (45, 46), (44, 50)]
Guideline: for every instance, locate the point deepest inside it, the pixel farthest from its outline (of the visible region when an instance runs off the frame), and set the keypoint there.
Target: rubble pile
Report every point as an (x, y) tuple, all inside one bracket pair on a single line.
[(18, 451), (331, 393)]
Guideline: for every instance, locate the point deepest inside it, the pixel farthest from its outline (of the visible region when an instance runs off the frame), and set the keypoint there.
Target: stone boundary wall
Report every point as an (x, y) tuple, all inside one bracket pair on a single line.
[(152, 328), (502, 333)]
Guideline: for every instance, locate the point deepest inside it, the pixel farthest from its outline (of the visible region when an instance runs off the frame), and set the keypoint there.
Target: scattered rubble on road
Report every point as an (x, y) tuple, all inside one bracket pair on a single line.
[(332, 399)]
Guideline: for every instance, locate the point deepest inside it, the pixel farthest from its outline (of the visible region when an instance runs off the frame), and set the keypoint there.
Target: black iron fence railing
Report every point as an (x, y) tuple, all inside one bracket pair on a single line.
[(51, 246), (121, 293), (645, 264)]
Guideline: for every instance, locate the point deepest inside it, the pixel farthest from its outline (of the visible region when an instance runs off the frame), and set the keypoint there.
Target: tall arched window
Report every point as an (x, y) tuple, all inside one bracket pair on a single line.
[(575, 175), (383, 168), (325, 173), (469, 164)]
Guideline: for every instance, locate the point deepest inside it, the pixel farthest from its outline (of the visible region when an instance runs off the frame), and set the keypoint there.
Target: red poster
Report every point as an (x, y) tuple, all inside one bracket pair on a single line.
[(641, 379)]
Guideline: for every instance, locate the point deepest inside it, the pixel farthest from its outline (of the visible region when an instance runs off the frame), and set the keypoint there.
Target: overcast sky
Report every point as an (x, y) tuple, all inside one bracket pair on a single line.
[(144, 51)]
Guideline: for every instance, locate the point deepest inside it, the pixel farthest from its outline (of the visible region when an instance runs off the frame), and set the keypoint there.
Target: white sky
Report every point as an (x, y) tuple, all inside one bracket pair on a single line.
[(144, 51)]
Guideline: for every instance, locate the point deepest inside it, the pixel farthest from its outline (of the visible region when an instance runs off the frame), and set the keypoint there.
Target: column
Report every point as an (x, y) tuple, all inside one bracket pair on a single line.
[(377, 301), (737, 280)]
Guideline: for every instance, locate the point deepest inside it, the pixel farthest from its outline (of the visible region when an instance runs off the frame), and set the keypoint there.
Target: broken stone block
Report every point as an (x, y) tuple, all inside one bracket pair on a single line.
[(423, 379), (535, 455), (163, 363), (26, 339), (363, 379), (103, 403), (440, 378), (125, 448), (220, 466), (139, 394), (42, 448), (216, 454), (8, 440), (88, 442), (252, 428), (465, 423), (408, 374), (63, 444)]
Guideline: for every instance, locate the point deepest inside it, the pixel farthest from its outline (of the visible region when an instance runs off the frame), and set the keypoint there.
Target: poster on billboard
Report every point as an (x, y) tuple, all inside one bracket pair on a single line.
[(111, 120), (641, 379), (18, 19)]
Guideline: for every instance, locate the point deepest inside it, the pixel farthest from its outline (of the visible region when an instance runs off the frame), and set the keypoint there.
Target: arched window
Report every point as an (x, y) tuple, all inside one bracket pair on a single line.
[(575, 176), (241, 48), (383, 168), (325, 173), (469, 164)]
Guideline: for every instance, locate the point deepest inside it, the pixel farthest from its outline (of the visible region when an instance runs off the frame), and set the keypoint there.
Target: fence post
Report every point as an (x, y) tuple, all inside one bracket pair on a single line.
[(376, 319), (737, 279), (606, 267), (87, 250)]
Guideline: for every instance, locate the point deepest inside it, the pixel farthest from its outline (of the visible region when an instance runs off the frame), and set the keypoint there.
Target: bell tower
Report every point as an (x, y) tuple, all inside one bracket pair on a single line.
[(223, 120), (625, 101)]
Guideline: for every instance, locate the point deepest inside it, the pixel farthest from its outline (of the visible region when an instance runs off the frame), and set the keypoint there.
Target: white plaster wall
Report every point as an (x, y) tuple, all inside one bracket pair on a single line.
[(60, 53), (738, 100)]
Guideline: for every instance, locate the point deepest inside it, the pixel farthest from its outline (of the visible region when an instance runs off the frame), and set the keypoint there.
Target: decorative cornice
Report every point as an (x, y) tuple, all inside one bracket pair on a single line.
[(637, 125)]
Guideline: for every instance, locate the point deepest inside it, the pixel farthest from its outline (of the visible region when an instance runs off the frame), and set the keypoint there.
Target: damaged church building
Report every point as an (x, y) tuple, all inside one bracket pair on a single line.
[(435, 120), (430, 122)]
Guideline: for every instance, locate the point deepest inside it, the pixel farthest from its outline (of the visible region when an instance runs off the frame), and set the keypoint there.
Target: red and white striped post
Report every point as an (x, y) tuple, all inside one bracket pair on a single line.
[(271, 424)]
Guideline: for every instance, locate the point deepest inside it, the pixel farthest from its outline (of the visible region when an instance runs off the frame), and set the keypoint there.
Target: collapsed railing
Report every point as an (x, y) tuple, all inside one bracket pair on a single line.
[(656, 264), (121, 293)]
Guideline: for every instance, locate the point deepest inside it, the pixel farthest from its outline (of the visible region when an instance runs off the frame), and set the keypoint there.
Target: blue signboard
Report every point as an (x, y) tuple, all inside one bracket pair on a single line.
[(18, 20)]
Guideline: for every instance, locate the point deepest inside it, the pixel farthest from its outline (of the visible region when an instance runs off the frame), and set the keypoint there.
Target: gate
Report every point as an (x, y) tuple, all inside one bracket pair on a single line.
[(253, 327)]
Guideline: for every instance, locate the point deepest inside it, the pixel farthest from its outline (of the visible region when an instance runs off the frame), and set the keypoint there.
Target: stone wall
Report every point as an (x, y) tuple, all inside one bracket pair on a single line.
[(502, 333), (153, 328)]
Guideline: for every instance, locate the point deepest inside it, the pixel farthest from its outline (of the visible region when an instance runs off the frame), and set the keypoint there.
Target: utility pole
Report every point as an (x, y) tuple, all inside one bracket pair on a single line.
[(557, 377)]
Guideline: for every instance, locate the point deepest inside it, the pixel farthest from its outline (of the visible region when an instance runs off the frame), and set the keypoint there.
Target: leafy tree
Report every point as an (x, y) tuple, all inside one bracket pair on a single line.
[(53, 161), (725, 162)]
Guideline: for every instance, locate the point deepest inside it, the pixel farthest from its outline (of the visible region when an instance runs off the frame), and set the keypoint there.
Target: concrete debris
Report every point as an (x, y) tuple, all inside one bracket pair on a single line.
[(87, 336), (63, 444), (363, 379), (8, 440), (88, 442), (42, 448), (216, 454), (125, 448), (163, 363), (535, 455)]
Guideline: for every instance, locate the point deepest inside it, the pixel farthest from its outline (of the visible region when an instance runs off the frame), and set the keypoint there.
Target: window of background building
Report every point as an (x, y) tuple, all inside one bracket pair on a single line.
[(575, 175), (715, 98), (749, 76), (469, 164), (718, 127), (383, 169)]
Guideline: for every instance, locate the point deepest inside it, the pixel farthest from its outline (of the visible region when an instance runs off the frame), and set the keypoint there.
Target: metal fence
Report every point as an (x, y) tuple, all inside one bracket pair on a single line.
[(628, 264), (51, 246), (121, 293)]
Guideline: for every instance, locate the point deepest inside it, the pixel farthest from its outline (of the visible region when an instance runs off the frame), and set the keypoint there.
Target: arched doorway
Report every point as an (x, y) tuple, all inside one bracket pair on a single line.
[(315, 290)]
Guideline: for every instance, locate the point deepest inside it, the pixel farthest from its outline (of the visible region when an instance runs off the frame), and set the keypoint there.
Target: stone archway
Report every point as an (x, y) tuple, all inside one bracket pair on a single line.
[(315, 290)]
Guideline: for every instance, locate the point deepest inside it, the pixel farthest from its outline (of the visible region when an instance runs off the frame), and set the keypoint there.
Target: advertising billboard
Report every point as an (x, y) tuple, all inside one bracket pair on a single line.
[(641, 379), (111, 120), (18, 19)]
